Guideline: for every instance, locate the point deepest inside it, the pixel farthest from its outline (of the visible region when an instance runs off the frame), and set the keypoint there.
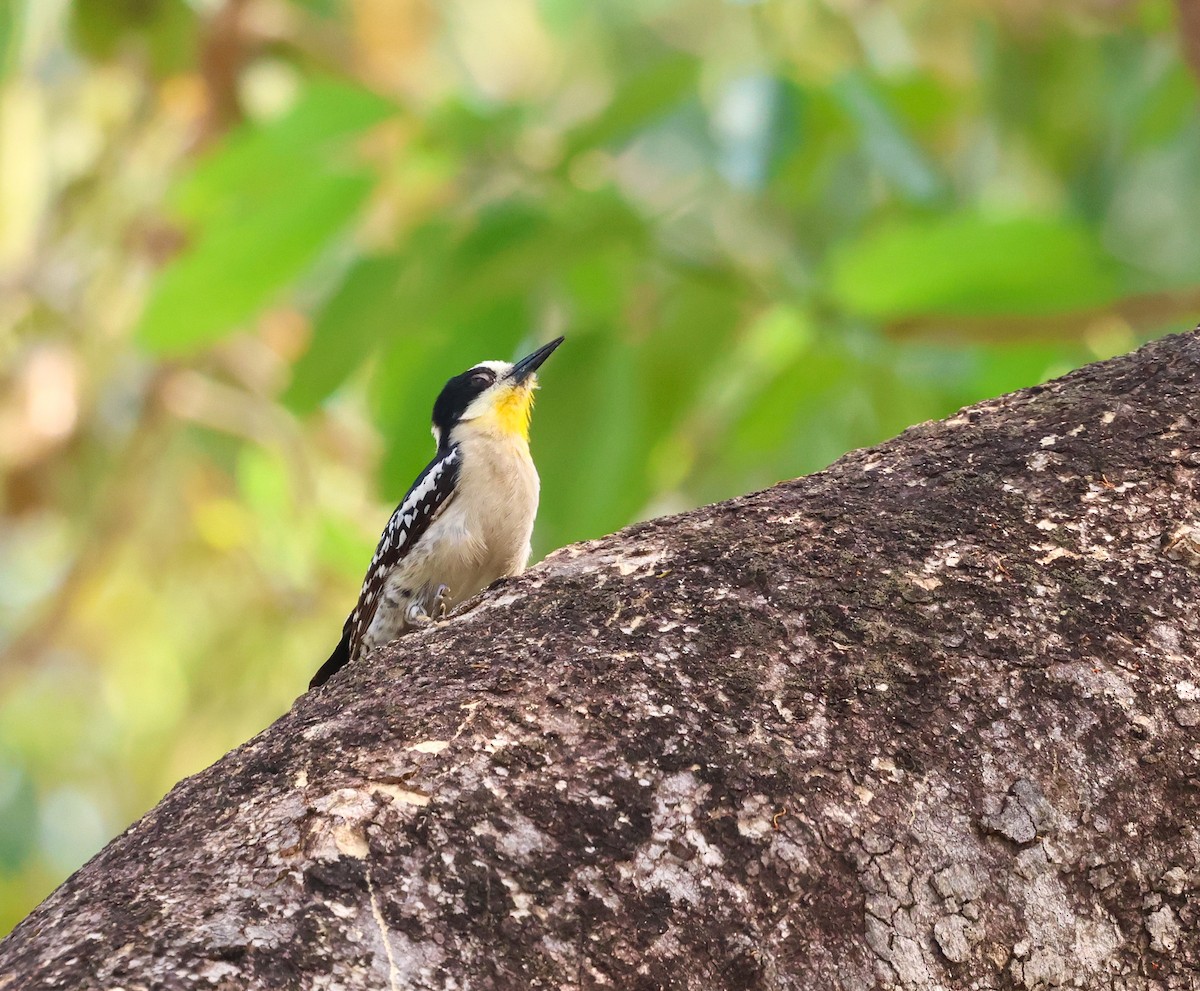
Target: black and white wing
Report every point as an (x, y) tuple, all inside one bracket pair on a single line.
[(429, 495)]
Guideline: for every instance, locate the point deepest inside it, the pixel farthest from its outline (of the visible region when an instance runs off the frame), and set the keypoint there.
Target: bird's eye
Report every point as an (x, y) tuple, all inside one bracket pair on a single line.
[(482, 377)]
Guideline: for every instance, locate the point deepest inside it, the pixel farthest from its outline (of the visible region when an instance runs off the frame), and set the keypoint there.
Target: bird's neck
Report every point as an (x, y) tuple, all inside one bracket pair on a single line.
[(479, 440)]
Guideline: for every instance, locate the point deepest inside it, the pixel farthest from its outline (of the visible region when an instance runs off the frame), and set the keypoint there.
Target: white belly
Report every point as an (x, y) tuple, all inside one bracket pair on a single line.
[(483, 534)]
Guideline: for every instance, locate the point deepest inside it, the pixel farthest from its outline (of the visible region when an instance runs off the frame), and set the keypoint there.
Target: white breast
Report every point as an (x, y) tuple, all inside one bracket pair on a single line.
[(495, 506), (480, 535), (484, 532)]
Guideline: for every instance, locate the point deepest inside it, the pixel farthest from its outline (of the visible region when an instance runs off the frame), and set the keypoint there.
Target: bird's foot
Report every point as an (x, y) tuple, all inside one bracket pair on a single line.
[(441, 601), (416, 615)]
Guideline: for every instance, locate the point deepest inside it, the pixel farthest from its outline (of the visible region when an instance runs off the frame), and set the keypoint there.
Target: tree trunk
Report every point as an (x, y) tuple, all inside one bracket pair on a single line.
[(927, 719)]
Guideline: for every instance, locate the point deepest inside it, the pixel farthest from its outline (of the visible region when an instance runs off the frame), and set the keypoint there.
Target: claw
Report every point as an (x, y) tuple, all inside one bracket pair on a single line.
[(415, 614), (441, 601)]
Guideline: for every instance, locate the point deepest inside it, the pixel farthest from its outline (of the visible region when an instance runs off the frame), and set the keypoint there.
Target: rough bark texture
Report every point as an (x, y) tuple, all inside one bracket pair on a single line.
[(927, 719)]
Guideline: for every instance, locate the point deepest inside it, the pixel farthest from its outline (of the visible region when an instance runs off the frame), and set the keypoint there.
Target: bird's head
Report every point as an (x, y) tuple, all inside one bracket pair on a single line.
[(493, 397)]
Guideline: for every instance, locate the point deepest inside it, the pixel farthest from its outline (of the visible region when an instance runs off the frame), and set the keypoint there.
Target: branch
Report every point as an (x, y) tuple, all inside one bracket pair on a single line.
[(925, 720), (223, 55), (1189, 32)]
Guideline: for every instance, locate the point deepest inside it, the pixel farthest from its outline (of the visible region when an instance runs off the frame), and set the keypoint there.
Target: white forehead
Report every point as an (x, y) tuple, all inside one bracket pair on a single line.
[(501, 368)]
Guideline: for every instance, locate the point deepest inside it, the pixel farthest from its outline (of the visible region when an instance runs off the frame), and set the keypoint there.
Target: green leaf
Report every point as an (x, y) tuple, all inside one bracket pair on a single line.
[(1167, 110), (322, 8), (971, 265), (697, 305), (360, 316), (164, 30), (643, 99), (563, 16), (885, 139), (412, 371), (995, 370), (590, 439), (598, 282), (475, 286), (10, 33), (402, 297), (18, 814), (239, 265), (257, 159), (265, 206)]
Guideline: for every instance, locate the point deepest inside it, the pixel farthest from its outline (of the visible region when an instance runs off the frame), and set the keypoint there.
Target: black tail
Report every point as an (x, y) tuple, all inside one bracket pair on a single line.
[(337, 660)]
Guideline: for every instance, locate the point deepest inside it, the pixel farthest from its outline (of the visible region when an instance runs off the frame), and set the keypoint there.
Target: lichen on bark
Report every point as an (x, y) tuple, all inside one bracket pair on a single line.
[(924, 720)]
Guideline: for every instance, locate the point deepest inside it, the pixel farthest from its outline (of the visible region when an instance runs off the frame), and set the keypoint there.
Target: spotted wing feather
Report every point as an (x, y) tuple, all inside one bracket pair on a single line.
[(429, 494)]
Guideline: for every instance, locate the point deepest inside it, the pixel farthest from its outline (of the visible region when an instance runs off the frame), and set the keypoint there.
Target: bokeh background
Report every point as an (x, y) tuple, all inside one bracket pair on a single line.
[(243, 242)]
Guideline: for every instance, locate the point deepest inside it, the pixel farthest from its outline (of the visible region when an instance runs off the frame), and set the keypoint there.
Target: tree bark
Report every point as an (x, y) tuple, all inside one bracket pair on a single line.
[(928, 719)]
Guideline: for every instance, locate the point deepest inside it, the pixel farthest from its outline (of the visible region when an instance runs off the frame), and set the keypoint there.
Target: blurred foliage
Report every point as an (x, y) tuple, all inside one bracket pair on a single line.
[(243, 242)]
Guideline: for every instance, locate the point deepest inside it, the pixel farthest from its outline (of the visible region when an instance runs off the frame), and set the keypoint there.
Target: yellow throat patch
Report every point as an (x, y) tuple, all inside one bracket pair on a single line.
[(513, 408)]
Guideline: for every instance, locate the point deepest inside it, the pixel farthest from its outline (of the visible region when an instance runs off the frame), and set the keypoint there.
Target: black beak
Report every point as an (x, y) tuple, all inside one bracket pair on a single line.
[(531, 363)]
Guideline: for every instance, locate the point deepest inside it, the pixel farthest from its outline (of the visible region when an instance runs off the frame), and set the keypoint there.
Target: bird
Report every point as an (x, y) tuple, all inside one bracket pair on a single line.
[(468, 518)]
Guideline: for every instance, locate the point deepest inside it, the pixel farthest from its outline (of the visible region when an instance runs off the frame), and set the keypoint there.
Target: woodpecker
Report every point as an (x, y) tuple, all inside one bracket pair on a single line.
[(468, 517)]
